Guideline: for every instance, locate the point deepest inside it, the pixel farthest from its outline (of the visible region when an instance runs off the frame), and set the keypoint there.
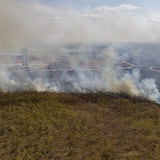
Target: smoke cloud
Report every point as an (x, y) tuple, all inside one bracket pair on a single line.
[(107, 77), (48, 31), (34, 24)]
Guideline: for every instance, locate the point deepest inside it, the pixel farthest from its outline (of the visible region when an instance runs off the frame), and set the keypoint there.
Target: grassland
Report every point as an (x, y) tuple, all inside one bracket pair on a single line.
[(50, 126)]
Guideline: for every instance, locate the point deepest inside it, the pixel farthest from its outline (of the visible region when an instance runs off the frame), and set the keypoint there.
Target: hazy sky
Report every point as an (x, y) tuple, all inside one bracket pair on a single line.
[(46, 22), (147, 4)]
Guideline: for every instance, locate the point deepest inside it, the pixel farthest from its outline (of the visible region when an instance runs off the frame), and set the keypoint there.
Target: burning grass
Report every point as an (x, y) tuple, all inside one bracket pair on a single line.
[(100, 126)]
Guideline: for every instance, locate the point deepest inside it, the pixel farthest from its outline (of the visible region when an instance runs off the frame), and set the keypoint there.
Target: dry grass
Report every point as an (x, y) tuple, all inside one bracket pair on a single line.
[(50, 126)]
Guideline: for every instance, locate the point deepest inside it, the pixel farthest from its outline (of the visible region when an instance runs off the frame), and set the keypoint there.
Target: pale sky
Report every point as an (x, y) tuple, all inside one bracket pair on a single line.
[(26, 22), (146, 4)]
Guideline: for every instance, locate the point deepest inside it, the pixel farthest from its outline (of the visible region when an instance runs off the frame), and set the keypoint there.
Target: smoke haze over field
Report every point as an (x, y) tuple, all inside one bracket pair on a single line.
[(48, 30), (71, 76), (31, 23)]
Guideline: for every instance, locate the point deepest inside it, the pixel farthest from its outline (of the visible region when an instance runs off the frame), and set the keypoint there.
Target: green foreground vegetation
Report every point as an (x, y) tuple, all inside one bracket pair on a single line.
[(101, 126)]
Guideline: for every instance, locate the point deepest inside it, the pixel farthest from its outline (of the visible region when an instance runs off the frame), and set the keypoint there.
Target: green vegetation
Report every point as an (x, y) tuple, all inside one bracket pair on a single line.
[(50, 126)]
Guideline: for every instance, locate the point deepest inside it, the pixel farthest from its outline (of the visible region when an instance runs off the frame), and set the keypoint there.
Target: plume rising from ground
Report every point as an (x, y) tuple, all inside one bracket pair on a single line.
[(48, 30), (77, 75)]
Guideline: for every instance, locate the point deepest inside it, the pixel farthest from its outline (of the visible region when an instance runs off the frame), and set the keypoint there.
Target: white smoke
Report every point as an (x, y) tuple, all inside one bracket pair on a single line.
[(32, 24), (46, 30), (108, 77)]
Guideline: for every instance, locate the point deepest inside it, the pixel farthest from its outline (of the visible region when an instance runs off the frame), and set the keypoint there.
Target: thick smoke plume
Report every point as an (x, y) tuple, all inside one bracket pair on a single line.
[(108, 76), (48, 32)]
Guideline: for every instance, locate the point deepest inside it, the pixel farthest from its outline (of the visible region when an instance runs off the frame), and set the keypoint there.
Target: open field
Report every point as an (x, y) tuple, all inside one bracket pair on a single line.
[(93, 126)]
